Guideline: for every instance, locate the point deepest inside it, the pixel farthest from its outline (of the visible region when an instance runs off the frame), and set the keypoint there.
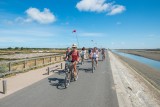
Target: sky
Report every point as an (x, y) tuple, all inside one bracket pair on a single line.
[(115, 24)]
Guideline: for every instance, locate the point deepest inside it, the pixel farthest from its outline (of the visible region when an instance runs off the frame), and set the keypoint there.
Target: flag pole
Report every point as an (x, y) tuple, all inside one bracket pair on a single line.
[(74, 31), (77, 39)]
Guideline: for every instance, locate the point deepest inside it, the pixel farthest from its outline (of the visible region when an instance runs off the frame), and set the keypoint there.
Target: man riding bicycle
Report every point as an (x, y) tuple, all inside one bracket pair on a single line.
[(67, 53), (103, 53), (75, 58), (83, 53), (94, 55)]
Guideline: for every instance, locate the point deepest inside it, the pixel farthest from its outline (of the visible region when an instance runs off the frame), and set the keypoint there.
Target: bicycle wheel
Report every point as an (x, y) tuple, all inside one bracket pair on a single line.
[(82, 61), (72, 75), (76, 78), (67, 80), (93, 67)]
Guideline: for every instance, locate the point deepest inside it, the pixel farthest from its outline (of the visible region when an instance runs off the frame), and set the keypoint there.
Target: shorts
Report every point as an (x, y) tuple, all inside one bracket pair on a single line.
[(95, 58)]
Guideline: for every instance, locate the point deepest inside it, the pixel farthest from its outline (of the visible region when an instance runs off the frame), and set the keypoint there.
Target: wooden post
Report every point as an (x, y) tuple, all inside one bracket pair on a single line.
[(35, 62), (9, 66), (24, 64), (55, 58), (4, 86), (48, 70), (50, 59), (43, 60), (61, 66)]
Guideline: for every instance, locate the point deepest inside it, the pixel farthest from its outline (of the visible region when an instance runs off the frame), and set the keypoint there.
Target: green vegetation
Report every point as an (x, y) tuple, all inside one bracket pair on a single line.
[(3, 69)]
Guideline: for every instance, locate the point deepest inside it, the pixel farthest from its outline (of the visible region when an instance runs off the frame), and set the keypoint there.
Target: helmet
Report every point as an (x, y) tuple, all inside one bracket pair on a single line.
[(74, 46)]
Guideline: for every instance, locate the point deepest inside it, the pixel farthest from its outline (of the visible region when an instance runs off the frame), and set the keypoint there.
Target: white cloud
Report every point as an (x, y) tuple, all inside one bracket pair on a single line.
[(44, 17), (100, 6), (116, 9), (93, 5)]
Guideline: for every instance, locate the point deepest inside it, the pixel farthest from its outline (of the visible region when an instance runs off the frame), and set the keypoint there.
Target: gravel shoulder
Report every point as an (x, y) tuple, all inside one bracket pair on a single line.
[(132, 89)]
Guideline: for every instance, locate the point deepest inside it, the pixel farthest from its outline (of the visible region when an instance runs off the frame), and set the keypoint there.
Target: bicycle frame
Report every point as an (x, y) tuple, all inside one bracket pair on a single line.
[(93, 64), (69, 71)]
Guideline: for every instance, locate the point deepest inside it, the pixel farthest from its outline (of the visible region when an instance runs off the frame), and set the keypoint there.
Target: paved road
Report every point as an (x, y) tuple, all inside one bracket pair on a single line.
[(91, 90)]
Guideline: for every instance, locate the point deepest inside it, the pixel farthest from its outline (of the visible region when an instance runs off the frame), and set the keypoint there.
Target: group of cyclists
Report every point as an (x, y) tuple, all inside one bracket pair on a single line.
[(75, 56)]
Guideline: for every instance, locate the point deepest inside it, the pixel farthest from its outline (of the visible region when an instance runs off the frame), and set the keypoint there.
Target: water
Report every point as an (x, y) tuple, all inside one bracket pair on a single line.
[(149, 62)]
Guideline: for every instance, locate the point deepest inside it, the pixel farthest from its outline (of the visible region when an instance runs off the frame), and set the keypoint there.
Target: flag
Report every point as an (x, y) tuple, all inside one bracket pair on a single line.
[(73, 31)]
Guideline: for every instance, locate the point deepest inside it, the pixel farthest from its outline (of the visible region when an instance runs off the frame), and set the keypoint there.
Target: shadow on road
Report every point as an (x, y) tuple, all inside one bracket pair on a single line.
[(87, 70), (57, 82)]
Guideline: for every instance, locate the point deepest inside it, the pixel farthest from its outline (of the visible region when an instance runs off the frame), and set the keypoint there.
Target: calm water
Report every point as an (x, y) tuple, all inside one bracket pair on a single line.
[(150, 62)]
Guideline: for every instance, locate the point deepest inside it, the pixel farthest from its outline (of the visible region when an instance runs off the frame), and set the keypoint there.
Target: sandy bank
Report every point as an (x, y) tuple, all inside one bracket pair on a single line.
[(152, 75), (132, 89), (147, 54)]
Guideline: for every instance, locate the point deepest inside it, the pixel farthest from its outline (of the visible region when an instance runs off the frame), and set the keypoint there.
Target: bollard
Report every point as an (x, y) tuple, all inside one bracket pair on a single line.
[(48, 70), (10, 66), (61, 66), (4, 86), (55, 58)]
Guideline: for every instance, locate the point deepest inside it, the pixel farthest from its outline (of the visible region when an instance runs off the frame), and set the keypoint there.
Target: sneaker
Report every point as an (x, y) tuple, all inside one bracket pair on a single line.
[(75, 77)]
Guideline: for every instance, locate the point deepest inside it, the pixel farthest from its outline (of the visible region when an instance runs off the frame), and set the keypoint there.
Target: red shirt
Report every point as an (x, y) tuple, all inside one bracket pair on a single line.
[(75, 55)]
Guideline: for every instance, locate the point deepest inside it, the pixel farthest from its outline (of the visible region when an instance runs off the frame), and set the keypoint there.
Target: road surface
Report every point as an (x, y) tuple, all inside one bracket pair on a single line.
[(90, 90)]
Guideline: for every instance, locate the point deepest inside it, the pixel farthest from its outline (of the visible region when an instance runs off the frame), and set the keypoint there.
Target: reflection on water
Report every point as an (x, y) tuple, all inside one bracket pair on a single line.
[(150, 62)]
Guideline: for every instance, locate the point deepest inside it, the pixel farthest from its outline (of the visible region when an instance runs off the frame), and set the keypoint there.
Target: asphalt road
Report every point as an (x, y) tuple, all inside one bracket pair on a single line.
[(90, 90)]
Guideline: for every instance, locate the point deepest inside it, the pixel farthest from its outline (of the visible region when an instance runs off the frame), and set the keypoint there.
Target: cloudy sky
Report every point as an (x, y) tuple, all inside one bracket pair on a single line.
[(109, 23)]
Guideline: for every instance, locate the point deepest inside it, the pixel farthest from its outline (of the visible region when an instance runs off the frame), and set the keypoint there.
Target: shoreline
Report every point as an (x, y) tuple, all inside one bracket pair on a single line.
[(145, 54), (150, 74)]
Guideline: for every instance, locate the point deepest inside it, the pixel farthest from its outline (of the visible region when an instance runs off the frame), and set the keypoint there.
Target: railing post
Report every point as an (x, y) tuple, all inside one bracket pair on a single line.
[(50, 59), (55, 58), (9, 66), (48, 70), (61, 65), (24, 64), (60, 58), (4, 86), (43, 60), (35, 62)]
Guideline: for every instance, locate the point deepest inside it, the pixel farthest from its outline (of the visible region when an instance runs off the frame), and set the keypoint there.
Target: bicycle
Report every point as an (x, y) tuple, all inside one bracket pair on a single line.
[(103, 57), (69, 71), (82, 59), (93, 64)]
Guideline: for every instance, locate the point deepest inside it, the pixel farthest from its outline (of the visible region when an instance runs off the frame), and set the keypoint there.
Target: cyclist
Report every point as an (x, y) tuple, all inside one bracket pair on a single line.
[(89, 51), (75, 58), (94, 55), (103, 53), (67, 53), (83, 53)]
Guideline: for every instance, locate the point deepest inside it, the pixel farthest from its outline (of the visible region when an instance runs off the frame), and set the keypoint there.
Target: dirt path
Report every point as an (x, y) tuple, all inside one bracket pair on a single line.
[(23, 80)]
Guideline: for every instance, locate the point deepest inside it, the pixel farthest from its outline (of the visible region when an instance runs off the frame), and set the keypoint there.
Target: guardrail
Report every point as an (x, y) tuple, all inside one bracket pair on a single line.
[(28, 64)]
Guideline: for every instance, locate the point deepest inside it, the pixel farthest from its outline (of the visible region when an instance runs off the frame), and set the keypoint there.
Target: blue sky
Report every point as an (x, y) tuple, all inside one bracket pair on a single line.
[(109, 23)]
